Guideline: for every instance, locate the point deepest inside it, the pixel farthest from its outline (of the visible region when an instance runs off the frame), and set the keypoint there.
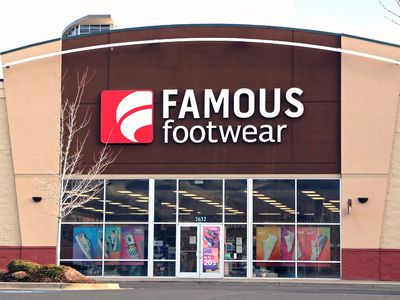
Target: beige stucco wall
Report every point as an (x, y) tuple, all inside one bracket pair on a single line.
[(9, 222), (33, 103), (370, 98), (391, 226)]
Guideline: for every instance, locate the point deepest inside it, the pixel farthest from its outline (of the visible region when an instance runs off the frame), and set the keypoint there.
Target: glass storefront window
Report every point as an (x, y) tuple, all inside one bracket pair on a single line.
[(274, 242), (235, 269), (127, 201), (165, 201), (274, 201), (318, 243), (90, 211), (273, 269), (164, 241), (318, 201), (81, 242), (318, 270), (88, 268), (164, 269), (200, 201), (235, 242), (125, 268), (284, 242), (125, 241), (236, 201)]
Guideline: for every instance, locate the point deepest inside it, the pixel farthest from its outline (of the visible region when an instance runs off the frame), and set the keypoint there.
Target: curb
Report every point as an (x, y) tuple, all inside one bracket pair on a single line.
[(57, 286)]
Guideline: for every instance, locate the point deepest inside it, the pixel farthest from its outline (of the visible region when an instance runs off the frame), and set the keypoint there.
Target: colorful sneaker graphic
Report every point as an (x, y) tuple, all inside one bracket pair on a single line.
[(84, 244), (209, 241), (268, 245), (211, 233), (133, 251)]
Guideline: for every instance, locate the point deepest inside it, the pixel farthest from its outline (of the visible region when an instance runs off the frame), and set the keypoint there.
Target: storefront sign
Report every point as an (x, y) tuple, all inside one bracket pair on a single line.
[(127, 116)]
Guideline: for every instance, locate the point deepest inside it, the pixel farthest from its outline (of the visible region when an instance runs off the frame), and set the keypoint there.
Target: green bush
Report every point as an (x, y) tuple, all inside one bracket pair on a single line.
[(52, 273), (27, 266)]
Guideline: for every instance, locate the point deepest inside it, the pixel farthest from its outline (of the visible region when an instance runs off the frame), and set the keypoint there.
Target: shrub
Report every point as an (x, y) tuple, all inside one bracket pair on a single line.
[(51, 273), (27, 266)]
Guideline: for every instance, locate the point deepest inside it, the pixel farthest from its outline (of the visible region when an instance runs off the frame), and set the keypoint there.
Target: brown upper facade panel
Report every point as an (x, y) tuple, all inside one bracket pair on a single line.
[(311, 144)]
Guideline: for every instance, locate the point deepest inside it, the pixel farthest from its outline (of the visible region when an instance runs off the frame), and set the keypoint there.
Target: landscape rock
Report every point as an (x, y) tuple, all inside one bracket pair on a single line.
[(20, 275)]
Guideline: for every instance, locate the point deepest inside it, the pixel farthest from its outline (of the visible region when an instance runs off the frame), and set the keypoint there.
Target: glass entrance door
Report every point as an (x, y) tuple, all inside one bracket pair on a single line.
[(188, 240), (199, 250)]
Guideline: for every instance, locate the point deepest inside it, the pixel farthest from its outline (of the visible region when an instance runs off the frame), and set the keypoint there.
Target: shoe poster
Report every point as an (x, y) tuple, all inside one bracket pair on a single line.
[(287, 243), (112, 245), (268, 243), (210, 245), (314, 243), (132, 242), (87, 242)]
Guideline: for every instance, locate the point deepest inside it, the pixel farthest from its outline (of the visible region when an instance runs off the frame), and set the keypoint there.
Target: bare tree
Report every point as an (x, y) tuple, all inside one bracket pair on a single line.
[(392, 14), (76, 184)]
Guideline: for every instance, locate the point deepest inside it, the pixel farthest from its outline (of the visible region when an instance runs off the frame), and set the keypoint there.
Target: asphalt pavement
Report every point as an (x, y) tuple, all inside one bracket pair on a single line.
[(218, 290)]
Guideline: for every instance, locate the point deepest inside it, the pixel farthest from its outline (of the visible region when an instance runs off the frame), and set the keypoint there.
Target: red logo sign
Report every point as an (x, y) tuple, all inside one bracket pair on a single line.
[(126, 117)]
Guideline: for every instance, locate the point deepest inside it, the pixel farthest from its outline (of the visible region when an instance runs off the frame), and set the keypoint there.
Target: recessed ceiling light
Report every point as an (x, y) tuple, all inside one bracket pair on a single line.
[(165, 203), (135, 195), (269, 214), (94, 198), (281, 206), (317, 198), (255, 192), (134, 208), (189, 195), (188, 210), (198, 198), (180, 192), (171, 205), (334, 201), (258, 195), (141, 200), (264, 198), (109, 212), (143, 210), (115, 203), (212, 203), (277, 203), (309, 214), (270, 201), (141, 214), (125, 205), (205, 200), (308, 192), (218, 205)]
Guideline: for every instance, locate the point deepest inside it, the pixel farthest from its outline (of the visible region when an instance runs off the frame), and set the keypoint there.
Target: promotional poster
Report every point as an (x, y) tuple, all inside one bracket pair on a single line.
[(211, 260), (87, 242)]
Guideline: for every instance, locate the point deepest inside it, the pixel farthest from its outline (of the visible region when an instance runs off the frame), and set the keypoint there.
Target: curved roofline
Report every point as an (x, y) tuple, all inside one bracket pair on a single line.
[(208, 25), (87, 17)]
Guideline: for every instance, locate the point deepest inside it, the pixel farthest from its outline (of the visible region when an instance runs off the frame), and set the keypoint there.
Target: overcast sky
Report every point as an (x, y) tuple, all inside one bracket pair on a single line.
[(26, 22)]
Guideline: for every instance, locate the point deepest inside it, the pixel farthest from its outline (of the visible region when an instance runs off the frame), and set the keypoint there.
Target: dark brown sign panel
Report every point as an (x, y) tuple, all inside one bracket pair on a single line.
[(310, 144)]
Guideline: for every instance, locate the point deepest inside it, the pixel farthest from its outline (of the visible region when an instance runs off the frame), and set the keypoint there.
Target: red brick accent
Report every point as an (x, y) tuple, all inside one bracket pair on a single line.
[(39, 254), (390, 264), (360, 264), (371, 264)]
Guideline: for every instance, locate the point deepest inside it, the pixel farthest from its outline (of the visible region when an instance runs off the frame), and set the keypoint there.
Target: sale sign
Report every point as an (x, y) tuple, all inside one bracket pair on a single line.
[(210, 243)]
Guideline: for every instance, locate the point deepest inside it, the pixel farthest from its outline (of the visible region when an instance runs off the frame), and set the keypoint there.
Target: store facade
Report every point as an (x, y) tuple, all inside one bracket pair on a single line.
[(233, 158)]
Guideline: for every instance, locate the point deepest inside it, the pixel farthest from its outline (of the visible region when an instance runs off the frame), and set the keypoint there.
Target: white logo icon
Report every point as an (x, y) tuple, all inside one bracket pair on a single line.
[(135, 111)]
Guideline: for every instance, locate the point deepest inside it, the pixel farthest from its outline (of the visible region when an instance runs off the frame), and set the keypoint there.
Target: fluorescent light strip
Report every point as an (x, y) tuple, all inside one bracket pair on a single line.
[(124, 192), (269, 214), (308, 192), (318, 198)]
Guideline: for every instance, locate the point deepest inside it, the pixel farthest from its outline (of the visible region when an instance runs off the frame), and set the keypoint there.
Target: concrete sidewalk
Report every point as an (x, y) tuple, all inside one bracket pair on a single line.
[(337, 285), (57, 286)]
